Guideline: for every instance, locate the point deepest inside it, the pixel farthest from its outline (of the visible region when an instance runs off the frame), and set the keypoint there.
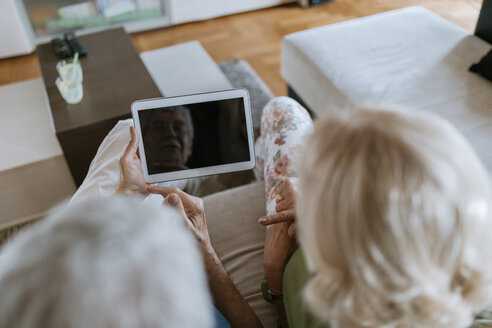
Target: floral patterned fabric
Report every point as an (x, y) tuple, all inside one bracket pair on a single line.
[(284, 127)]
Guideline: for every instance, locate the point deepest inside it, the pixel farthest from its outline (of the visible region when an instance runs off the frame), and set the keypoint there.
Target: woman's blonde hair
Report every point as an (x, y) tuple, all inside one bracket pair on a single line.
[(395, 222)]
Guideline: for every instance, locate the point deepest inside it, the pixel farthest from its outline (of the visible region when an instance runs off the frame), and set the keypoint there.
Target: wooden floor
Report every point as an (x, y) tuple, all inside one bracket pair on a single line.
[(256, 36)]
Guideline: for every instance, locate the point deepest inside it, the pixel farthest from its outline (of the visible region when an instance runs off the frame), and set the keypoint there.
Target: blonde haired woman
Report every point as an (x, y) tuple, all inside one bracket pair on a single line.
[(394, 221)]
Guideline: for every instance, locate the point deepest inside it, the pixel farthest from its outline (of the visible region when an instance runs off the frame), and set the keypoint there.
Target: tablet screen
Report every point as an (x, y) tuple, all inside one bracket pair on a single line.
[(194, 135)]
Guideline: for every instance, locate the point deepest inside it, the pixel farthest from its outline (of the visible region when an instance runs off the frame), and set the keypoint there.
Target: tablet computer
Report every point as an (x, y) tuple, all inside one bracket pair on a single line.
[(194, 135)]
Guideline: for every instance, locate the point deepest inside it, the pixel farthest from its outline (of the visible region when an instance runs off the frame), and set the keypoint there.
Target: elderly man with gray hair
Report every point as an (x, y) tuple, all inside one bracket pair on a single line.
[(77, 268)]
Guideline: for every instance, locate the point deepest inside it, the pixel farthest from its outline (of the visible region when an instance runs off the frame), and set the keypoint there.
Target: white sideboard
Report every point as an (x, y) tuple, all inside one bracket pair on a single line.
[(182, 11), (14, 36)]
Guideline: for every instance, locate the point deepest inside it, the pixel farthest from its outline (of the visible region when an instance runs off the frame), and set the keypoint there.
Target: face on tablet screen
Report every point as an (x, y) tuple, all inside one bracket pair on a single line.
[(194, 136), (168, 138)]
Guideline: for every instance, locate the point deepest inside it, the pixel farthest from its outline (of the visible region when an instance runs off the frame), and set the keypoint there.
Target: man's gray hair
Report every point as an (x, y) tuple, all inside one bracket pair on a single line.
[(105, 262)]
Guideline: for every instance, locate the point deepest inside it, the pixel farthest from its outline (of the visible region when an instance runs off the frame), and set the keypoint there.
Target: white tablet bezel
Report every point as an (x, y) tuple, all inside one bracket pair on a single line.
[(147, 104)]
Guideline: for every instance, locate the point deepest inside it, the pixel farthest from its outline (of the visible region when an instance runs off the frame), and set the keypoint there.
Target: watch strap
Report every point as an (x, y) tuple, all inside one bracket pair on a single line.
[(268, 295)]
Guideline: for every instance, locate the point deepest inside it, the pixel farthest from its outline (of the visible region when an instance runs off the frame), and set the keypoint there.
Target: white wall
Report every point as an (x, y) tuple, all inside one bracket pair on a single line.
[(14, 39), (190, 10)]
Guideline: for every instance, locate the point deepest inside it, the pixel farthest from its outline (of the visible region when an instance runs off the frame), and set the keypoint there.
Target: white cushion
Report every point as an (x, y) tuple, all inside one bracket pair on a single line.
[(408, 57), (25, 122), (33, 173), (184, 69)]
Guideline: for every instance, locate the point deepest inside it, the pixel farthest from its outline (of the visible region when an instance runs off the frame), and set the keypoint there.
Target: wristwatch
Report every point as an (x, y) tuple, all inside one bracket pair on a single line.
[(268, 295)]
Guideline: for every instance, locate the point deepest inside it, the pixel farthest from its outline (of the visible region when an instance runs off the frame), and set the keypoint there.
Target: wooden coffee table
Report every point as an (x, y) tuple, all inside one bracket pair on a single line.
[(114, 77)]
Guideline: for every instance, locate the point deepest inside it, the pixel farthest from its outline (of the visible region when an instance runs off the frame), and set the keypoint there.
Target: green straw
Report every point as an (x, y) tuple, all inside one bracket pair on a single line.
[(74, 63), (74, 73)]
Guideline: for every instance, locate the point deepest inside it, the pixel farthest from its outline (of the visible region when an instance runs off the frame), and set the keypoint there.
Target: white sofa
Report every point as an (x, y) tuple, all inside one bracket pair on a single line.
[(408, 58)]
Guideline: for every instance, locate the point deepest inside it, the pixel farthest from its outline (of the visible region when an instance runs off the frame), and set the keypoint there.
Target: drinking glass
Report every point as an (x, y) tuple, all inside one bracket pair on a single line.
[(65, 70), (71, 90)]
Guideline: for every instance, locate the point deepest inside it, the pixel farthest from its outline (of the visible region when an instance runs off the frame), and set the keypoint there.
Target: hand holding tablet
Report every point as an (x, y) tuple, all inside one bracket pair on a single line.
[(194, 135), (131, 175)]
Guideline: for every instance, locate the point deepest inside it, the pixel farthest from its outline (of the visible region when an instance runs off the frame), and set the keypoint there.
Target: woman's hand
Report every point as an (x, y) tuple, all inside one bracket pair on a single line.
[(280, 242), (191, 209), (277, 252), (285, 208), (131, 176)]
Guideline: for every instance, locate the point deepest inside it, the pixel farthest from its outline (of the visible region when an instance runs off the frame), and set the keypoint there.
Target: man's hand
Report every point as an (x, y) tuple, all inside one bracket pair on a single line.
[(131, 176), (190, 207), (226, 297)]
